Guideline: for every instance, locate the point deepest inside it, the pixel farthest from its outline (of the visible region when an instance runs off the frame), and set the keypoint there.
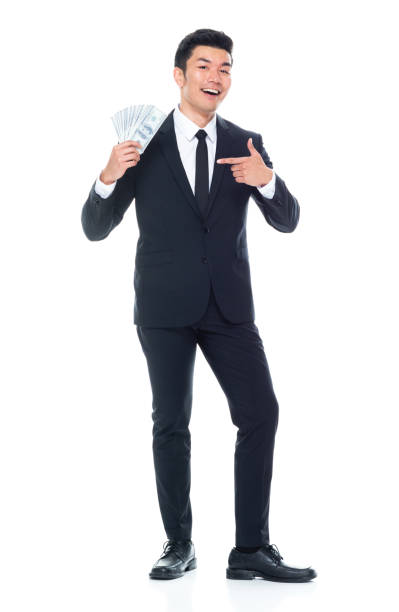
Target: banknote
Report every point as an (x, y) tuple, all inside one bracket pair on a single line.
[(139, 122)]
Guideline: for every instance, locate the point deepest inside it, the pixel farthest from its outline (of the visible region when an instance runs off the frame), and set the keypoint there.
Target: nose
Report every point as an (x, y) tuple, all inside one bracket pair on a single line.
[(214, 76)]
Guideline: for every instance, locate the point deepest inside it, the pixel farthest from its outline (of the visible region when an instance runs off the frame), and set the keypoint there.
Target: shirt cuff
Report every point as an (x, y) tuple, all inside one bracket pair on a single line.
[(102, 189), (268, 190)]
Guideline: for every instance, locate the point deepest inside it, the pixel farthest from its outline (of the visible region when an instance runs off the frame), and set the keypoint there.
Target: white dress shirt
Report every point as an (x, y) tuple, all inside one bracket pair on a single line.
[(187, 144)]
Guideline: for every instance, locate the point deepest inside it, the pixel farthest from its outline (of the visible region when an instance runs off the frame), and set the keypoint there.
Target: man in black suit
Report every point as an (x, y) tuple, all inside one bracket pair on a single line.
[(192, 286)]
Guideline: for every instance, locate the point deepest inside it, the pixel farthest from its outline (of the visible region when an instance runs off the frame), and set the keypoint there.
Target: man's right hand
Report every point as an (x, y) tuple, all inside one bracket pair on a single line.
[(124, 155)]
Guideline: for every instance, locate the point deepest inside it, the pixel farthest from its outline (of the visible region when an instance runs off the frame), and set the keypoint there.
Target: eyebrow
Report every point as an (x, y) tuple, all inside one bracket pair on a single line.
[(204, 59)]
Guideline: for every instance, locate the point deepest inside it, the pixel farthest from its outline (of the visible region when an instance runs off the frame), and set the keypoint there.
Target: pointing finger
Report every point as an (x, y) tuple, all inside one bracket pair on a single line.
[(231, 160)]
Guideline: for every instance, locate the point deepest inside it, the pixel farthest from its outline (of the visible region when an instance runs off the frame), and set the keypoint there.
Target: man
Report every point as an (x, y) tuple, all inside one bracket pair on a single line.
[(192, 286)]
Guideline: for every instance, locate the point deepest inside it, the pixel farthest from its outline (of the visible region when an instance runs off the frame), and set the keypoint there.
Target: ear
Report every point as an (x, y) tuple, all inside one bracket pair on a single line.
[(178, 76)]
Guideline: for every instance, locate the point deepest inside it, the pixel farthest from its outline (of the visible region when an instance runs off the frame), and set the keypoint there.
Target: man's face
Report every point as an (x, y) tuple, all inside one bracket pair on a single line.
[(207, 67)]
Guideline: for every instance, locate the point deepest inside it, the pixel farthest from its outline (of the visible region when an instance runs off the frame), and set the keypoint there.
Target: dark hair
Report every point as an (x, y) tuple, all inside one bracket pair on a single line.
[(209, 38)]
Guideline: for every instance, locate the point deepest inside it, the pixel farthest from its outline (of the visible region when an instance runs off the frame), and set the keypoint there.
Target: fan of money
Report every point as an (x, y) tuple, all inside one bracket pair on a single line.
[(139, 122)]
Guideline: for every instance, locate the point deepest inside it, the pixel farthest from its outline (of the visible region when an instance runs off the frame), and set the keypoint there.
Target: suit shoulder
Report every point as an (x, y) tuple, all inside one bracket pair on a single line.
[(240, 131)]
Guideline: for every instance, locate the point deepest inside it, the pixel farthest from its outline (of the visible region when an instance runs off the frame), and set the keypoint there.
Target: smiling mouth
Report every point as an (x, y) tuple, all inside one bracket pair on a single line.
[(210, 92)]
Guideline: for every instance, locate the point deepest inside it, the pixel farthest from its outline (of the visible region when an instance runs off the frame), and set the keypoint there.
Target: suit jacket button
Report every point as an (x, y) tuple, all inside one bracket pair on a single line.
[(206, 229), (204, 260)]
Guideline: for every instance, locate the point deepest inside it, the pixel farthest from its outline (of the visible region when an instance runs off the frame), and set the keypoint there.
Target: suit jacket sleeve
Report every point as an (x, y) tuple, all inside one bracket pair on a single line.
[(281, 211), (100, 215)]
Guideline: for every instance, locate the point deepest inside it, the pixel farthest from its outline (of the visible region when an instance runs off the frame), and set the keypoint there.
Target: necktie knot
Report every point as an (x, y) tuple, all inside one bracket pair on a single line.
[(201, 134)]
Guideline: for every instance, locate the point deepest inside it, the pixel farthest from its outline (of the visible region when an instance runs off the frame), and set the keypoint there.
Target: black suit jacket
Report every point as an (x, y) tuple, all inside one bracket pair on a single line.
[(180, 252)]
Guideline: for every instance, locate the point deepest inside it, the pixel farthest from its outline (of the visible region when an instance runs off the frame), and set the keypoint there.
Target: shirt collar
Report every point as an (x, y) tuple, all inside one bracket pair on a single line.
[(189, 129)]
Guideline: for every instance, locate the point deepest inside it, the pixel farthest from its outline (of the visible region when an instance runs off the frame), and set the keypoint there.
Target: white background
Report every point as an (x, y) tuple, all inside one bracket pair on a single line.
[(80, 523)]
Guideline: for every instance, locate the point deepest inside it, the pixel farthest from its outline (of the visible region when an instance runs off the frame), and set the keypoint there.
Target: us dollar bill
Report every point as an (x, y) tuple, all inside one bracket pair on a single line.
[(139, 122)]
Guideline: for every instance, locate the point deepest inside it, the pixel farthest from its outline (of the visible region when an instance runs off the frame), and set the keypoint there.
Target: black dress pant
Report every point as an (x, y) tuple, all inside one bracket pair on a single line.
[(236, 355)]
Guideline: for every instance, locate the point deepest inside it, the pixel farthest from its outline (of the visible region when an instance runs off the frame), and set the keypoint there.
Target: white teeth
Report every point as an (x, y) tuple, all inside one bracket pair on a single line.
[(212, 90)]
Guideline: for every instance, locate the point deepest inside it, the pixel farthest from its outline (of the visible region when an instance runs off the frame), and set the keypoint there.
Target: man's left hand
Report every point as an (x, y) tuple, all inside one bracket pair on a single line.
[(251, 170)]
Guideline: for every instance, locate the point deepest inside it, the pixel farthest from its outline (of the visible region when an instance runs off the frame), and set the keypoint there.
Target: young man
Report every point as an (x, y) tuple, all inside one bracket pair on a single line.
[(192, 286)]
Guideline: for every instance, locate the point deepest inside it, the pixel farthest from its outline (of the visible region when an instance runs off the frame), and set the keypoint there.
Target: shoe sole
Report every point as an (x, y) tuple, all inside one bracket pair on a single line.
[(168, 575), (242, 574)]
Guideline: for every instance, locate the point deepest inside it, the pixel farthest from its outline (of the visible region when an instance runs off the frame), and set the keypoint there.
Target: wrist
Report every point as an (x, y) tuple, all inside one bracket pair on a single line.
[(266, 179), (106, 180)]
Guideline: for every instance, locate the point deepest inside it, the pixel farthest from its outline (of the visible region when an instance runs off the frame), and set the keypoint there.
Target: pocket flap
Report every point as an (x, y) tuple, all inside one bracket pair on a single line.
[(151, 258)]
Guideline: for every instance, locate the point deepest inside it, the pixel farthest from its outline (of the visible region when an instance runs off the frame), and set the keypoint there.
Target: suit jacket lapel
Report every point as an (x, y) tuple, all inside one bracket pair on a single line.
[(168, 142), (224, 148)]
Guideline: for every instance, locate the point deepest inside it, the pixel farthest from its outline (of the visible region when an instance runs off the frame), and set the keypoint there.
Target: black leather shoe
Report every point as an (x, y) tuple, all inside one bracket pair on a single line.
[(178, 557), (265, 563)]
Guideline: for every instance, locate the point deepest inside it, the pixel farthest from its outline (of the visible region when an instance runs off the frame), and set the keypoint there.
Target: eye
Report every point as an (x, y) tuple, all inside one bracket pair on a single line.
[(225, 71)]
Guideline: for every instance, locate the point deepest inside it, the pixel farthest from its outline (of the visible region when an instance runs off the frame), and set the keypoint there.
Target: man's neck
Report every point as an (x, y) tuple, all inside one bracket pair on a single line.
[(196, 116)]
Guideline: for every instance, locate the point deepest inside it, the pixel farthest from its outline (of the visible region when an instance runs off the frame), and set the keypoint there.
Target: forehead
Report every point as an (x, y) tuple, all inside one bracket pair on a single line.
[(214, 54)]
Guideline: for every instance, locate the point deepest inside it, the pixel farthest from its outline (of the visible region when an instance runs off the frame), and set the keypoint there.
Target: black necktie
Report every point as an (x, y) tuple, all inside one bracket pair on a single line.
[(202, 172)]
